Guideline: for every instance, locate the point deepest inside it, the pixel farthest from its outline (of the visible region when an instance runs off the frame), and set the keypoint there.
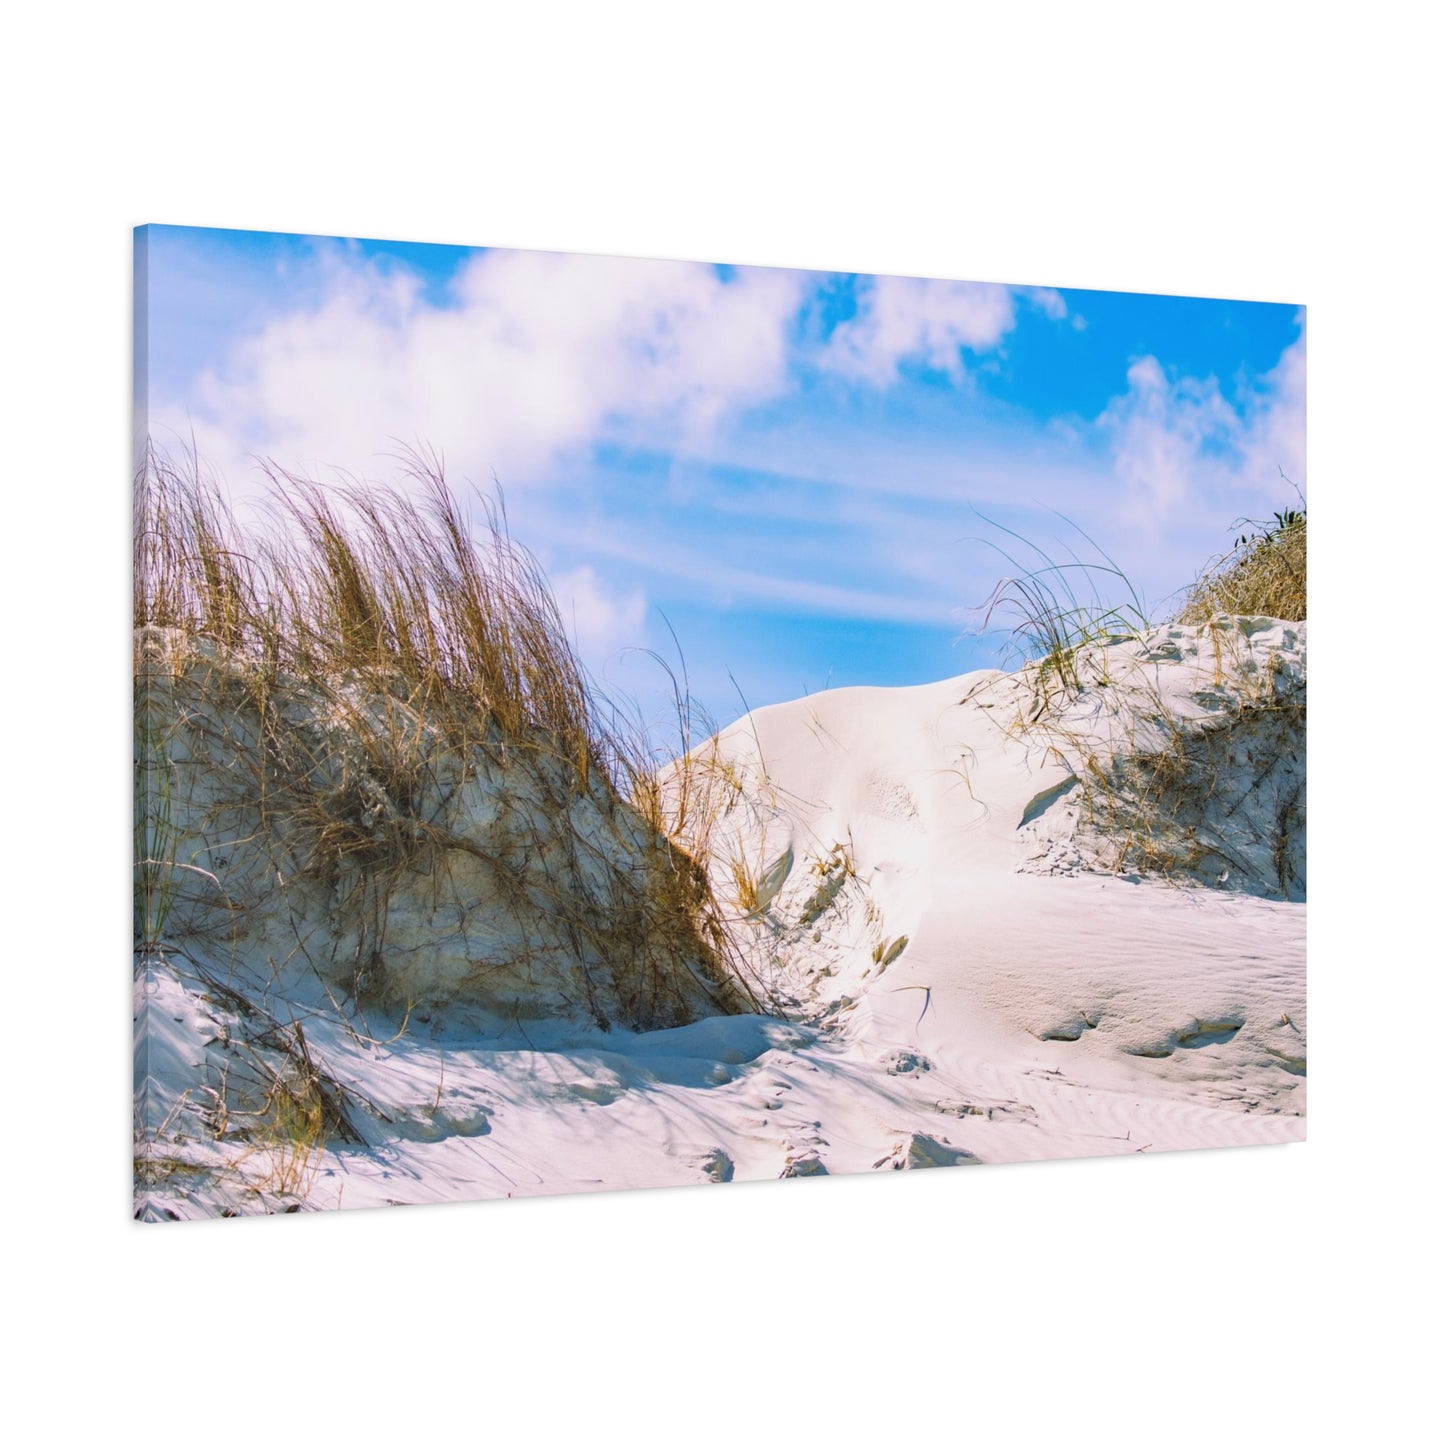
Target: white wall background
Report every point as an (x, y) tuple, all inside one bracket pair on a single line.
[(1259, 151)]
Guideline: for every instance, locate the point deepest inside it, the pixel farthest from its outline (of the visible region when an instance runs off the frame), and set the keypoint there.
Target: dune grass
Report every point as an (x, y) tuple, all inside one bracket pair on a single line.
[(1219, 799), (1262, 575), (1157, 794), (1058, 609), (353, 579), (358, 654)]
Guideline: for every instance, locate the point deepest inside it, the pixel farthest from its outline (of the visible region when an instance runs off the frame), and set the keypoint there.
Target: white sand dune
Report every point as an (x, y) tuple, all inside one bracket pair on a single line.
[(965, 967)]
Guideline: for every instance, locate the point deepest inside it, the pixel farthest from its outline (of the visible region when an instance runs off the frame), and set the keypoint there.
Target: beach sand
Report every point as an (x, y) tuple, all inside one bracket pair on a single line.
[(961, 964)]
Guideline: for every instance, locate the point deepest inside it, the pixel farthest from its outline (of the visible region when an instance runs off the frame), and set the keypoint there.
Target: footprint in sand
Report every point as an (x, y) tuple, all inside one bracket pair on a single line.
[(717, 1167), (1070, 1031), (1199, 1034), (925, 1151), (803, 1166), (888, 798), (904, 1061), (1289, 1062), (1011, 1112)]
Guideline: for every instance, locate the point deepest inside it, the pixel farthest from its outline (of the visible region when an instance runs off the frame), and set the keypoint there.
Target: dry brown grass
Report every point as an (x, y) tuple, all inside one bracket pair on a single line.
[(1218, 801), (1220, 798), (359, 655), (1264, 575), (355, 580)]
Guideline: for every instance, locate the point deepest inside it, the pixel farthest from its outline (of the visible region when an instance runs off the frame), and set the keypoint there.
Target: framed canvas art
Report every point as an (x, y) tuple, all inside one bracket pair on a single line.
[(604, 723)]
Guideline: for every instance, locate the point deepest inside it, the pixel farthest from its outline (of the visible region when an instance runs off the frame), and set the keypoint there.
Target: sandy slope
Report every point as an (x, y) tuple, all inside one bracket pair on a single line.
[(940, 1003)]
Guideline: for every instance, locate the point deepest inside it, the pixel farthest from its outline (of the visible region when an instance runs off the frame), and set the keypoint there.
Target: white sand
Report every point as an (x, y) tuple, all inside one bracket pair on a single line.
[(943, 1003)]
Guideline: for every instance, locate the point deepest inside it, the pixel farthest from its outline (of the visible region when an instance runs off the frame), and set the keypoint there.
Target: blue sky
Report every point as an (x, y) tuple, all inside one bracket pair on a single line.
[(785, 469)]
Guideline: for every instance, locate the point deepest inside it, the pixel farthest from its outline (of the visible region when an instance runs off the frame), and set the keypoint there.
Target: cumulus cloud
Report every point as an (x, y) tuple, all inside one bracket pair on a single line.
[(901, 319), (1178, 440), (532, 354)]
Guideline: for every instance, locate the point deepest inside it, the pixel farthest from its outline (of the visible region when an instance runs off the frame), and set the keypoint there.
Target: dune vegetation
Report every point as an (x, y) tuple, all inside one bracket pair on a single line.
[(1262, 575), (403, 881), (361, 693), (1197, 781)]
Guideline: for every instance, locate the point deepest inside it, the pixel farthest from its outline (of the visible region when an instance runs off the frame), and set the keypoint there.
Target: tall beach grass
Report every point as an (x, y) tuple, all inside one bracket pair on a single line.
[(356, 645)]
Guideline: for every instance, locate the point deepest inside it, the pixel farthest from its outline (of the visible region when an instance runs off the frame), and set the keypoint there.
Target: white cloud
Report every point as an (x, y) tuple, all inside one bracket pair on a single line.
[(600, 619), (535, 355), (1182, 442), (1275, 434), (902, 318), (1051, 304)]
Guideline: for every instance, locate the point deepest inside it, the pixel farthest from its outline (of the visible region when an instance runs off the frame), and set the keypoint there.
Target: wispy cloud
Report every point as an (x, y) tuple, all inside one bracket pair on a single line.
[(797, 581), (782, 464)]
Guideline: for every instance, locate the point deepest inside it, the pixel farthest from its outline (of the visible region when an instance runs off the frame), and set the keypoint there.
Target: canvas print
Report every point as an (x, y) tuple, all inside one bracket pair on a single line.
[(604, 723)]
